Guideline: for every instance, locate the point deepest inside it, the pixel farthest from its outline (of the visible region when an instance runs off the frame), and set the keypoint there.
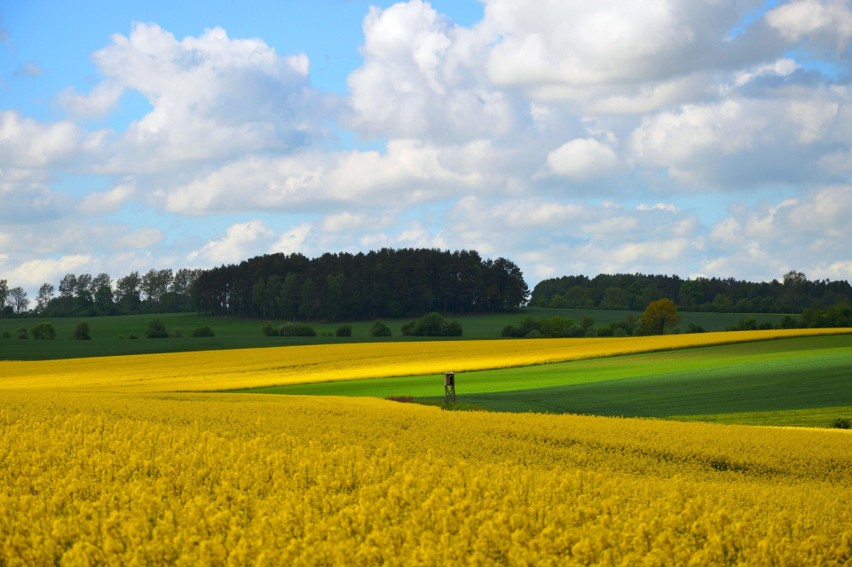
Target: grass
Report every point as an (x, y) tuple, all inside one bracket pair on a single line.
[(802, 381), (111, 336)]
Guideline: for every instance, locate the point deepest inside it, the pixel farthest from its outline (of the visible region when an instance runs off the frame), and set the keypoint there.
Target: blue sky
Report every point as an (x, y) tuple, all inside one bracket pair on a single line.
[(678, 137)]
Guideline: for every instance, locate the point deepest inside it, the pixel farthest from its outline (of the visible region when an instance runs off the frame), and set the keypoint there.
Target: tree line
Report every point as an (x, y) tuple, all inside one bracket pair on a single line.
[(793, 294), (156, 291), (387, 283)]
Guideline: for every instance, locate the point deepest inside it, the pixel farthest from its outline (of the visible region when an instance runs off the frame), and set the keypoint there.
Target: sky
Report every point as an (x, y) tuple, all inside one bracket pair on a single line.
[(686, 137)]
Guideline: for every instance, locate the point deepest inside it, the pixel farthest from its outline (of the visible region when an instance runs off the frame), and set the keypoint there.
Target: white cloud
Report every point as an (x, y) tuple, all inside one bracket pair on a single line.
[(25, 143), (840, 270), (212, 98), (827, 212), (103, 98), (107, 201), (238, 242), (140, 239), (582, 158), (565, 50), (653, 252), (807, 233), (294, 240), (422, 77), (667, 207), (828, 21), (744, 141), (345, 221), (780, 68), (409, 172), (32, 273)]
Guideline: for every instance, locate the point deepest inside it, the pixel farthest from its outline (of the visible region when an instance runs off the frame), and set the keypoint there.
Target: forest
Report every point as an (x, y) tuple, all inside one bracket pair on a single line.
[(385, 283), (793, 294)]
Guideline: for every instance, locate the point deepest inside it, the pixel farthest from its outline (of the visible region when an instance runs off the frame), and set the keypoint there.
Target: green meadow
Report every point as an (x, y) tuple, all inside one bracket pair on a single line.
[(798, 382), (119, 335)]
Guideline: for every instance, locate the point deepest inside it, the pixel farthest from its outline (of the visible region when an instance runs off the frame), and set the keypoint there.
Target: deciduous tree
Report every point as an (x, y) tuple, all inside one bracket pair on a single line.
[(658, 315), (45, 294), (4, 294), (18, 300)]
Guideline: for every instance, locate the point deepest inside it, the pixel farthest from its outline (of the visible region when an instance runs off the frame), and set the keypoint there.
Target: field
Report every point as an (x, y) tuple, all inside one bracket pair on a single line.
[(113, 336), (271, 480), (752, 382), (147, 459)]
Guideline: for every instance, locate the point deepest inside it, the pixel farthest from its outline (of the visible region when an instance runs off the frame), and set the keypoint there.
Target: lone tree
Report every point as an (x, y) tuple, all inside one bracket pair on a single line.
[(658, 314)]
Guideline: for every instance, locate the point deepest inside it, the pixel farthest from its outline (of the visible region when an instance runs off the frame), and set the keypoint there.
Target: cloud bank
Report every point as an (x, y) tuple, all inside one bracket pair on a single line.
[(583, 137)]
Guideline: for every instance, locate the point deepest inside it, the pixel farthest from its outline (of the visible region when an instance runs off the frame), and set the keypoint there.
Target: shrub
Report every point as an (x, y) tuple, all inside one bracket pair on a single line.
[(433, 325), (204, 331), (156, 330), (7, 335), (296, 330), (343, 331), (21, 333), (269, 330), (44, 331), (554, 327), (841, 423), (81, 332), (379, 329)]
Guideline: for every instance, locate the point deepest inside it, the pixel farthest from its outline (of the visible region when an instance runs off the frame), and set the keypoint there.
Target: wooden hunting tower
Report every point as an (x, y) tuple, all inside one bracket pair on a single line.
[(449, 387)]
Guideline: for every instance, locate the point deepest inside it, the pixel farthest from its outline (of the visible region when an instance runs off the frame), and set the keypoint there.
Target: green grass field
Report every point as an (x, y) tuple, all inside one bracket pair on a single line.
[(111, 336), (801, 382)]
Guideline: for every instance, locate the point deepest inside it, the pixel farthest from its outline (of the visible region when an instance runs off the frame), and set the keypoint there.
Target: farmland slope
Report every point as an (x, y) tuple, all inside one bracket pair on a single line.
[(248, 368)]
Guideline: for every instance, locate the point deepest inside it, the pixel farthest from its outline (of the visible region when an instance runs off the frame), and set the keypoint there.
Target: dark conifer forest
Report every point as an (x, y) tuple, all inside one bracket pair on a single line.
[(343, 286)]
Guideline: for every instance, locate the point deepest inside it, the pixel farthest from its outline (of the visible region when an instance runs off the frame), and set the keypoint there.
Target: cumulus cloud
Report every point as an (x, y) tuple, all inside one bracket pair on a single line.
[(808, 233), (212, 97), (294, 240), (26, 143), (821, 21), (32, 273), (103, 98), (567, 50), (422, 77), (739, 142), (582, 158), (107, 201), (139, 239), (408, 172), (346, 221), (235, 245)]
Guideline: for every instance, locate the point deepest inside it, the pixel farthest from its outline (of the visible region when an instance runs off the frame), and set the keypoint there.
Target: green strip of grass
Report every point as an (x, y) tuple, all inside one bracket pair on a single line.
[(755, 381), (811, 417)]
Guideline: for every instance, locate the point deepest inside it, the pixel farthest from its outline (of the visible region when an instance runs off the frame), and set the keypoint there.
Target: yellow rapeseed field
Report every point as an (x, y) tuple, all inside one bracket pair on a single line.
[(117, 461), (227, 479), (248, 368)]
